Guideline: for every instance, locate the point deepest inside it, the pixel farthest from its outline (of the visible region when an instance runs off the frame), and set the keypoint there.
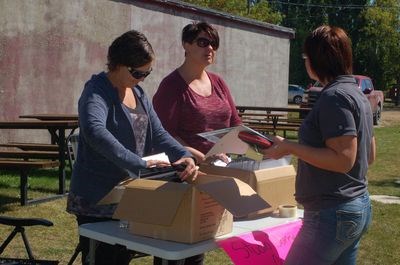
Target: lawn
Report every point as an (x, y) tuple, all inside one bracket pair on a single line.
[(379, 247)]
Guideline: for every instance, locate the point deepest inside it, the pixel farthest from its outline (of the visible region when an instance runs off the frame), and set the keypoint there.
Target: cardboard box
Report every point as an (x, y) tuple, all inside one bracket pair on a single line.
[(183, 212), (275, 185)]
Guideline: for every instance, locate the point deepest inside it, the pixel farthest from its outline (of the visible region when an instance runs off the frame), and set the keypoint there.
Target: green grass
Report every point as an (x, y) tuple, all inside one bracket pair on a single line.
[(380, 246), (385, 171)]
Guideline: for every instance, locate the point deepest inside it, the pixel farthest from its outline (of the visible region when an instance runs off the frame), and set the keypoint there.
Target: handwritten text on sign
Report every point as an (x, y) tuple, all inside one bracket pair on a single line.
[(268, 246)]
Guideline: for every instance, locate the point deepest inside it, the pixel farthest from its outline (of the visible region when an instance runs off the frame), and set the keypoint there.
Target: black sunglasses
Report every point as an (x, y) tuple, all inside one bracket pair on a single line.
[(139, 74), (203, 42)]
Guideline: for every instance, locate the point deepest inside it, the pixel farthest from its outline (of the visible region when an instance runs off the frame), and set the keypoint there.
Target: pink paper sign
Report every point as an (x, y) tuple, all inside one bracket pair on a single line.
[(268, 246)]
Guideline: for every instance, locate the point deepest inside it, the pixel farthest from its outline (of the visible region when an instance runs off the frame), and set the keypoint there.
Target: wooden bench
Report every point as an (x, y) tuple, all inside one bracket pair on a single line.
[(26, 155), (43, 151), (266, 128), (290, 120), (24, 167), (32, 146), (271, 120)]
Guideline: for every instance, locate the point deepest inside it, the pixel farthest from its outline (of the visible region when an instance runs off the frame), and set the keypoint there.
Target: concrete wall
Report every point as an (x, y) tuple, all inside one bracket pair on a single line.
[(49, 48)]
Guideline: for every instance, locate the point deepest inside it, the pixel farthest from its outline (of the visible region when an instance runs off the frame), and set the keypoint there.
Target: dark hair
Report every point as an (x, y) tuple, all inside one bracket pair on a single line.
[(329, 52), (191, 31), (130, 49)]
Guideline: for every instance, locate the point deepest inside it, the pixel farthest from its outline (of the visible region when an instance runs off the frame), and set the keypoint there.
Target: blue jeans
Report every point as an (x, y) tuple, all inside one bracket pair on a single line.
[(331, 236)]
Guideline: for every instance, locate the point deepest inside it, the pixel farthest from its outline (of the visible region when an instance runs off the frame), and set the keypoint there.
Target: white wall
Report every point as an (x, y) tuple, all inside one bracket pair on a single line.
[(48, 49)]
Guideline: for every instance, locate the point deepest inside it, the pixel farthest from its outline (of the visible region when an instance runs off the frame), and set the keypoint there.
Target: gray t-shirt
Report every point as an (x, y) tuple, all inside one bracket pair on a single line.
[(342, 109)]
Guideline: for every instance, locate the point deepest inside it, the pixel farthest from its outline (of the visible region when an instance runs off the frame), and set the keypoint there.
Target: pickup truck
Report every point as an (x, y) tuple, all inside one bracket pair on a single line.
[(375, 97)]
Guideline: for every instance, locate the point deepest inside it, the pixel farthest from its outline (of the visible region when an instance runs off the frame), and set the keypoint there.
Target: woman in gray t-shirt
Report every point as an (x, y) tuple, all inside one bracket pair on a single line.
[(336, 145)]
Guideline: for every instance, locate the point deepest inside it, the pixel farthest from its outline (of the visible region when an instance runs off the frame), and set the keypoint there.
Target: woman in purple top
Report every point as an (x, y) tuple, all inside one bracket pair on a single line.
[(192, 100)]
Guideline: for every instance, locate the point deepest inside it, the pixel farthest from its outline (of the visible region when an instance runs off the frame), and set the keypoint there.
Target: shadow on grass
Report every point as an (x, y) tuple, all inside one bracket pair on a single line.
[(390, 183), (7, 202)]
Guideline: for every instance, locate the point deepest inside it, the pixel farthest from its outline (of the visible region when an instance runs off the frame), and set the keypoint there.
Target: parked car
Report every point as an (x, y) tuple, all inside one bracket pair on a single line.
[(295, 94), (375, 97)]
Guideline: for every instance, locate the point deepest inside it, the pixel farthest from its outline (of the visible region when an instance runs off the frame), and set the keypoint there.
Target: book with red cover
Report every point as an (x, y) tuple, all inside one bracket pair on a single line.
[(255, 139)]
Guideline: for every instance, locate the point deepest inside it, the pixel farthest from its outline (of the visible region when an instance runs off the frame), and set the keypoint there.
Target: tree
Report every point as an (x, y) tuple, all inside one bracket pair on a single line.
[(373, 26), (378, 49), (258, 10), (304, 16)]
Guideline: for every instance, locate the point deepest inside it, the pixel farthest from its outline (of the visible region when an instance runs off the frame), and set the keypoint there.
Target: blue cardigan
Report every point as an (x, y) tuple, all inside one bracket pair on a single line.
[(107, 142)]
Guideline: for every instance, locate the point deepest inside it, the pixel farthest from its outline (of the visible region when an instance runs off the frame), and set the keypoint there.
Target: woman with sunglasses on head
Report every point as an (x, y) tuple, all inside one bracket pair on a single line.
[(118, 126), (192, 100), (336, 145)]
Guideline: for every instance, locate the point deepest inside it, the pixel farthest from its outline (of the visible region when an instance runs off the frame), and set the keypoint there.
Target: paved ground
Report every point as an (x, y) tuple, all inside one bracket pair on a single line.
[(385, 199)]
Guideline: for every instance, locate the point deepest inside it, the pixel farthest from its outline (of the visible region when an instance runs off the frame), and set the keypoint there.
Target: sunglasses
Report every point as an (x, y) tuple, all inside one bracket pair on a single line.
[(203, 42), (139, 74)]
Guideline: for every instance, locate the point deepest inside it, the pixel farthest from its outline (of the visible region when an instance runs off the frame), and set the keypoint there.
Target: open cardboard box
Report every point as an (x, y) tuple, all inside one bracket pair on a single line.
[(275, 185), (183, 212)]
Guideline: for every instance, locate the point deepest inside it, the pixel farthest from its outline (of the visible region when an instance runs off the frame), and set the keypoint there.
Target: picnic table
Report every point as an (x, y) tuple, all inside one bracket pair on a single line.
[(242, 109), (51, 116), (262, 119), (24, 167), (271, 119), (57, 129)]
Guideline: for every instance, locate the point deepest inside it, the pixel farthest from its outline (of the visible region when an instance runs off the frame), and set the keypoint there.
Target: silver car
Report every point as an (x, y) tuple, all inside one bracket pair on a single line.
[(295, 94)]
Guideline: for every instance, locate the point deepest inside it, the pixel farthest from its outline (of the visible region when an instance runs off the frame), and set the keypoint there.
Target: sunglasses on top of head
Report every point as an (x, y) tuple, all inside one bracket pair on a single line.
[(203, 42), (139, 74)]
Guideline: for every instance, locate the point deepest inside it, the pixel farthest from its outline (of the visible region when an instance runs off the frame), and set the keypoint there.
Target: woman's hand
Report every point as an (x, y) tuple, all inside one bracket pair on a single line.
[(277, 150), (223, 157), (157, 163), (191, 170)]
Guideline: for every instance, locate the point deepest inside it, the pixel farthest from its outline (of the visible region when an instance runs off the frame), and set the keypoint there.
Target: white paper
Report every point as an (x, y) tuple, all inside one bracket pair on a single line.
[(160, 156), (228, 140)]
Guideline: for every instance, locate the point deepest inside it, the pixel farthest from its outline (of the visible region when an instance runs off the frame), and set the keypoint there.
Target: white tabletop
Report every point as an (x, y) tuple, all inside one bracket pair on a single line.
[(111, 233)]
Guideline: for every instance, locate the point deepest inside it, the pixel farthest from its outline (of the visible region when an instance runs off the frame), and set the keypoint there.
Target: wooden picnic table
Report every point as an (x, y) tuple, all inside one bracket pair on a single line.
[(242, 109), (27, 155), (57, 129), (258, 118), (24, 168), (31, 146), (51, 117), (278, 115)]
